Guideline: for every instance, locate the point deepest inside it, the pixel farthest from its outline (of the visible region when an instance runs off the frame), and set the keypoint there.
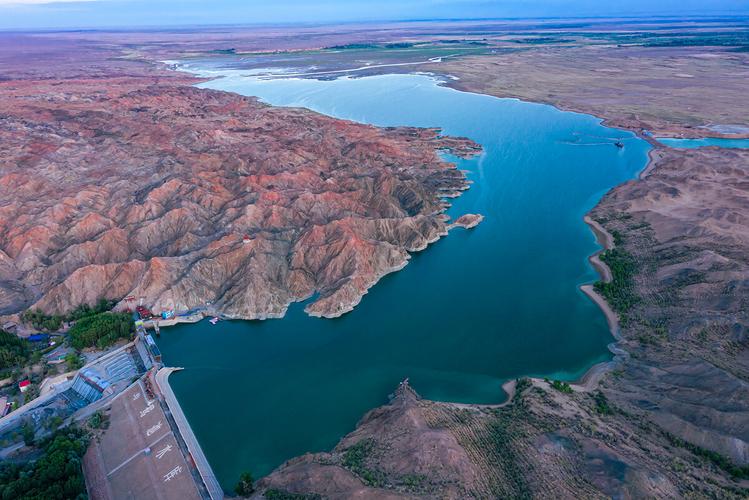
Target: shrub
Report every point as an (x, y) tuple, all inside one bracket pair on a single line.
[(245, 487), (354, 459), (720, 461), (561, 386), (274, 494), (602, 404)]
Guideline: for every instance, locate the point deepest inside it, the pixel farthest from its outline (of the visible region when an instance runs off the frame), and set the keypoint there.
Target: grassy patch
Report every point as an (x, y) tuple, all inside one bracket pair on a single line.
[(541, 40)]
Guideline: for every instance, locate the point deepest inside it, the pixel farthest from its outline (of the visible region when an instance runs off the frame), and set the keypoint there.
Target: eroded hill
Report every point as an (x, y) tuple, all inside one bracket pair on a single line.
[(145, 186)]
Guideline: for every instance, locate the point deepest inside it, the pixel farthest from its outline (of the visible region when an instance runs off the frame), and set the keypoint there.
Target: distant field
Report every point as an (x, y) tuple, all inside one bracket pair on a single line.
[(347, 56)]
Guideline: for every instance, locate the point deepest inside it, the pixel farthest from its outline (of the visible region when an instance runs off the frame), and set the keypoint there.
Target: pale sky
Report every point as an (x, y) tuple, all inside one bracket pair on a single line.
[(23, 14)]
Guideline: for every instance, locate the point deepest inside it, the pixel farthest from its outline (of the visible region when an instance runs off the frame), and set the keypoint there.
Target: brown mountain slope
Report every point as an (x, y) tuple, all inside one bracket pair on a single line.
[(686, 224), (544, 444), (146, 186)]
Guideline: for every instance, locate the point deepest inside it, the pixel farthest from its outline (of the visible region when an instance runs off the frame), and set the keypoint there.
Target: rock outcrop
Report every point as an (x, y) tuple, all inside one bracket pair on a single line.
[(468, 221)]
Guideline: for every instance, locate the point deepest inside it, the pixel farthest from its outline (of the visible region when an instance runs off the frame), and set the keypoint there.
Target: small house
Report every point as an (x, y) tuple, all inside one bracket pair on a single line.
[(24, 385)]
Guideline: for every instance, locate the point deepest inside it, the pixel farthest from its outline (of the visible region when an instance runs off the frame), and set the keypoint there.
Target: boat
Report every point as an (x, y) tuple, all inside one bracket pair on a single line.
[(619, 144), (213, 320)]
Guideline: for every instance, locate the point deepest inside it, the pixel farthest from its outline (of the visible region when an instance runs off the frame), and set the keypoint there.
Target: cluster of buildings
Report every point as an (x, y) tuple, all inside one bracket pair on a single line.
[(98, 380)]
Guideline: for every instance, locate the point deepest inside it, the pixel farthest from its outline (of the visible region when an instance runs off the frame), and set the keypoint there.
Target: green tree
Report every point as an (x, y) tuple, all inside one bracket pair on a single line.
[(42, 321), (13, 350), (101, 330), (57, 474), (245, 486), (36, 357), (73, 360), (27, 430), (98, 421)]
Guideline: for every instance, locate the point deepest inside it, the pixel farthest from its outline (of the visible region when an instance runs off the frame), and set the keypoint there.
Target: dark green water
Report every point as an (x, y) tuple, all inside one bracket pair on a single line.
[(473, 310)]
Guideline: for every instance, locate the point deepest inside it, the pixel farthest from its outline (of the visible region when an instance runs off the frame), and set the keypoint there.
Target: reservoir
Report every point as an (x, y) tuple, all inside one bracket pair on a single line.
[(473, 310)]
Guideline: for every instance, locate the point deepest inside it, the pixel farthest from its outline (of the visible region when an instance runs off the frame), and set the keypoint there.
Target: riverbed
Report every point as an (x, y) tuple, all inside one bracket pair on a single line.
[(473, 310)]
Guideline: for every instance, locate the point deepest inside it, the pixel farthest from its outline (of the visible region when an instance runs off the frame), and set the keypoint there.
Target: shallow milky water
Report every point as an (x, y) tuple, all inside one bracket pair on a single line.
[(701, 143), (473, 310)]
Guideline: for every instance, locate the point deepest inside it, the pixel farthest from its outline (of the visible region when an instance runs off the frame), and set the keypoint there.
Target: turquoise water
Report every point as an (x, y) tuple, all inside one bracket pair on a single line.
[(472, 311), (701, 143)]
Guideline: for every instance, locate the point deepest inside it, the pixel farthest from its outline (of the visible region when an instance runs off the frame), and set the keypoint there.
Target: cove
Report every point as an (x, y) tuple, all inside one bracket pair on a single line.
[(473, 310), (705, 142)]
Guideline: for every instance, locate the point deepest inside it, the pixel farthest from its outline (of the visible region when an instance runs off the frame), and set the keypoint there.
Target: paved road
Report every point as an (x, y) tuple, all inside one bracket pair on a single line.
[(209, 478)]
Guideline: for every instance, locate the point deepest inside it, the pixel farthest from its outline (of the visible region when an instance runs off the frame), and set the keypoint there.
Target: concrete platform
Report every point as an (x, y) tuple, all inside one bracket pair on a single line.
[(139, 456)]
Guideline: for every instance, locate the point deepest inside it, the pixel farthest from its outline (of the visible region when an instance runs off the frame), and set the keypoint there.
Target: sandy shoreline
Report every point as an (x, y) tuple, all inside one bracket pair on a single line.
[(509, 389), (593, 375), (589, 380)]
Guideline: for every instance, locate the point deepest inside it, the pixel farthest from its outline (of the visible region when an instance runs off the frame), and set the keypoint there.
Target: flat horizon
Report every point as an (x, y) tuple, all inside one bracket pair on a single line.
[(99, 14), (266, 24)]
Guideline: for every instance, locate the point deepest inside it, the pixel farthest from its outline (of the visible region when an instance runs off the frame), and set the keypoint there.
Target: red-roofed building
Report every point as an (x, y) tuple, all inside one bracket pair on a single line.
[(143, 312), (24, 385)]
